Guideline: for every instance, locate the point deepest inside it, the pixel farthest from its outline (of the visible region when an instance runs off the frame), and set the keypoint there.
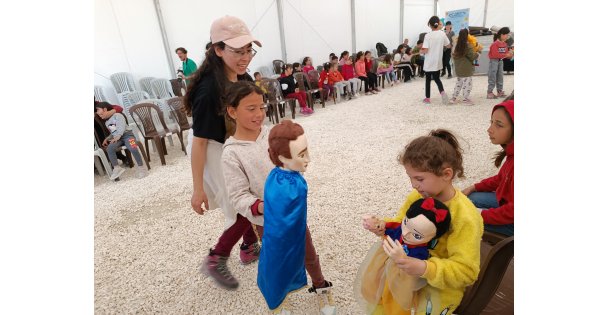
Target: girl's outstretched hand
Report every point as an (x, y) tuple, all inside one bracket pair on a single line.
[(393, 249)]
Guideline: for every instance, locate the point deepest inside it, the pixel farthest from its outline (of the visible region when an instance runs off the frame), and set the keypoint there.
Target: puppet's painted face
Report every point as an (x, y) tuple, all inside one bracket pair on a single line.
[(417, 230), (299, 155)]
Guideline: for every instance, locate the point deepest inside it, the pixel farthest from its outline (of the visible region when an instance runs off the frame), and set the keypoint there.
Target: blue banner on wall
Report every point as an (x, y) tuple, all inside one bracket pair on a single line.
[(459, 19)]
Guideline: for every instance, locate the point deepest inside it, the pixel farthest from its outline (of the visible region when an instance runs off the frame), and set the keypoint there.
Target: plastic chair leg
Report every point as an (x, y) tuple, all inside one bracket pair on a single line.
[(181, 140), (104, 161), (143, 153), (98, 166), (159, 145)]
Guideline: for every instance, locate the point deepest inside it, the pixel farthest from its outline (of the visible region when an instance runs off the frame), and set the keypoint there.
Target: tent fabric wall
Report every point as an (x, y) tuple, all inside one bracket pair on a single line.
[(128, 36)]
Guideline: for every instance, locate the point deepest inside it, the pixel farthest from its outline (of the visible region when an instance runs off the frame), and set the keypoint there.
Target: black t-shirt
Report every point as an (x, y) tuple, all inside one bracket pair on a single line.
[(206, 121)]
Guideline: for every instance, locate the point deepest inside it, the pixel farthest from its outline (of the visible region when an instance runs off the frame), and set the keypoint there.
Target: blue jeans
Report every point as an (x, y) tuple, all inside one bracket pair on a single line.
[(128, 140), (486, 200)]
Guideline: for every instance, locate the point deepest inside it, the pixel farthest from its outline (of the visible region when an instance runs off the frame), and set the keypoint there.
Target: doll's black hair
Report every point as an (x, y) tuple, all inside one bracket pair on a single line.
[(424, 206)]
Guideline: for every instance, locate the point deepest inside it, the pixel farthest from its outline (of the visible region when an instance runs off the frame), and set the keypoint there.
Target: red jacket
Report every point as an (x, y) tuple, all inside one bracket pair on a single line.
[(322, 77), (368, 65), (348, 71), (334, 76), (502, 183)]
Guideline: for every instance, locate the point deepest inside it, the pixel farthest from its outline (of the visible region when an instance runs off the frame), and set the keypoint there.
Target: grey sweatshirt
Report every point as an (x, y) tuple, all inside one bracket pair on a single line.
[(117, 125), (246, 165)]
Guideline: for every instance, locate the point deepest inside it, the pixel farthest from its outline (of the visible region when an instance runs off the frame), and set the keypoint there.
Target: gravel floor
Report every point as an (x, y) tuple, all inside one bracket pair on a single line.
[(149, 243)]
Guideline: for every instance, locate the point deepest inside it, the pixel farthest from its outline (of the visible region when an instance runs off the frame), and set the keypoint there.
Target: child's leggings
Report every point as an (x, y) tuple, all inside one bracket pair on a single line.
[(311, 259), (355, 85), (230, 236), (366, 82), (432, 75), (495, 75), (300, 96), (128, 140), (342, 87), (373, 80), (465, 84)]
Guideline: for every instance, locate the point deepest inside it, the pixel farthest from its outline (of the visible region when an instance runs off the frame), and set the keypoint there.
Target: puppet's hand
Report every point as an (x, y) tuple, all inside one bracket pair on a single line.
[(393, 249), (411, 266), (373, 224)]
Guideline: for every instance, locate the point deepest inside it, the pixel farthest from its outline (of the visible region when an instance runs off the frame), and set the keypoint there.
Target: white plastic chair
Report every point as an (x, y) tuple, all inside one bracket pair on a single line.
[(123, 82), (146, 85), (162, 88), (98, 153), (100, 96), (266, 72)]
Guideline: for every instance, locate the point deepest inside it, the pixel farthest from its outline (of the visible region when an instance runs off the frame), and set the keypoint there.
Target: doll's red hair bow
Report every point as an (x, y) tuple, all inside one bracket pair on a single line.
[(429, 204)]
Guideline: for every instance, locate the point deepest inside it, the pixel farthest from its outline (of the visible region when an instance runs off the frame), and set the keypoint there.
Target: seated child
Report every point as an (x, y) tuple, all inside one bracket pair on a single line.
[(120, 134), (336, 80)]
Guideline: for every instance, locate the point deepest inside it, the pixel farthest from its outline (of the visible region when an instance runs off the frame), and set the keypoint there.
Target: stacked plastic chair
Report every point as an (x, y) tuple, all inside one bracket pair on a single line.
[(100, 96), (162, 88), (123, 82), (146, 85)]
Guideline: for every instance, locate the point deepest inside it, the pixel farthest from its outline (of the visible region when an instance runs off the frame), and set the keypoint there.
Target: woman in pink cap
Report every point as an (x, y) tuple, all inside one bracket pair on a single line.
[(225, 62)]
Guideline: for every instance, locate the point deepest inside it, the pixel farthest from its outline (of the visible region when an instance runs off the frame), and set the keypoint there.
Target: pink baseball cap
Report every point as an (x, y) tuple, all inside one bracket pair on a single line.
[(232, 31)]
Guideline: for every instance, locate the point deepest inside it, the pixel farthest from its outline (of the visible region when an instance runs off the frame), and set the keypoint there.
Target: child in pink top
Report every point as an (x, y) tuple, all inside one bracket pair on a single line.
[(307, 62), (361, 73)]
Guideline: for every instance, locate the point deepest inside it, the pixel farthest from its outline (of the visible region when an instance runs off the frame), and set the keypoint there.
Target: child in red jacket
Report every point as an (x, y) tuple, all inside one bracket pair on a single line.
[(348, 72), (494, 196), (498, 51)]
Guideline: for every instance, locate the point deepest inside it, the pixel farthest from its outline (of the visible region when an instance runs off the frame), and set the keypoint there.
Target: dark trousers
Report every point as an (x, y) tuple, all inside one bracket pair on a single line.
[(420, 64), (366, 81), (242, 227), (447, 55), (432, 75), (373, 80)]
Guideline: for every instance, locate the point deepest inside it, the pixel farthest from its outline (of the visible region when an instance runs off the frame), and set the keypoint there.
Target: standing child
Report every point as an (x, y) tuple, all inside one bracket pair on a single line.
[(372, 77), (307, 62), (495, 195), (432, 48), (290, 89), (498, 50), (120, 134), (447, 51), (464, 67), (336, 80), (362, 74), (348, 72), (431, 162)]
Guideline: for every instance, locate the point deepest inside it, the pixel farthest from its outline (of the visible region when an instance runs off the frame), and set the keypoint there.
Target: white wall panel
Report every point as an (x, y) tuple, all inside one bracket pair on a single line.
[(416, 16), (377, 21), (315, 28)]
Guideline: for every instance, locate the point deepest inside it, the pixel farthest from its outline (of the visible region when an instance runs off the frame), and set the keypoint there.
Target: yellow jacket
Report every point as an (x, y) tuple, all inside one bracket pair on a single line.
[(454, 262)]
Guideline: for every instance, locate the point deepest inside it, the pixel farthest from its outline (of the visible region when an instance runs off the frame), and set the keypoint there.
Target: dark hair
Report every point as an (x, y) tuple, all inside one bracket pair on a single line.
[(503, 31), (400, 47), (462, 43), (433, 153), (207, 46), (279, 138), (212, 66), (387, 58), (305, 60), (511, 97), (417, 209), (182, 49), (285, 67), (434, 22), (326, 66), (420, 41), (256, 73), (367, 52), (334, 58), (296, 64), (239, 90), (503, 153), (359, 55), (448, 23), (343, 54), (105, 105), (408, 50), (331, 55)]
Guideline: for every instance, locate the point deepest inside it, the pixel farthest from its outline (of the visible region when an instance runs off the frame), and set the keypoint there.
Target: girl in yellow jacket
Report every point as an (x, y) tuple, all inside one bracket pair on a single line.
[(431, 162)]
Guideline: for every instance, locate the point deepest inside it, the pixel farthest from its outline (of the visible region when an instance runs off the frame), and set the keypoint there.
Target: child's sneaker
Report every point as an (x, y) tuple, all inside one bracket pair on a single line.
[(467, 101), (444, 98), (215, 266), (501, 94), (142, 172), (374, 92), (492, 96), (426, 101), (250, 253), (327, 306), (453, 100), (116, 172), (304, 112)]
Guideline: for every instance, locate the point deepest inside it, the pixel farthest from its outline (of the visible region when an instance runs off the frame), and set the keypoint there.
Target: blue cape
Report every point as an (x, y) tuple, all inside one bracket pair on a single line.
[(281, 267)]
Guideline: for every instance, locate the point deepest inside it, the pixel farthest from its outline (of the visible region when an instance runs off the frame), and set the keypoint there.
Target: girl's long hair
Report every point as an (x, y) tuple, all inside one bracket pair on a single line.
[(462, 43), (214, 66)]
